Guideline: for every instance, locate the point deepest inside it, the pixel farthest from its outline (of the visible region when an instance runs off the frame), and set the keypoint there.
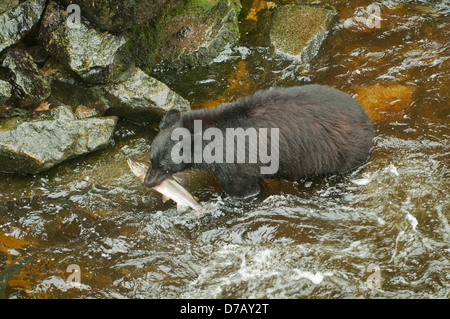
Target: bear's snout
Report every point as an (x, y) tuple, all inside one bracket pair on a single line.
[(154, 177)]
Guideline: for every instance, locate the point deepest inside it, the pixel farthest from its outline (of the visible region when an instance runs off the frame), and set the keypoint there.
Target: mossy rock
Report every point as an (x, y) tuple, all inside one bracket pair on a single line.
[(298, 31), (117, 16), (189, 33)]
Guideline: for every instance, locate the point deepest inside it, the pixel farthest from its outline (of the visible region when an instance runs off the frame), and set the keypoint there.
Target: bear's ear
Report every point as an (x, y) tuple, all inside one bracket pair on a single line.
[(171, 117)]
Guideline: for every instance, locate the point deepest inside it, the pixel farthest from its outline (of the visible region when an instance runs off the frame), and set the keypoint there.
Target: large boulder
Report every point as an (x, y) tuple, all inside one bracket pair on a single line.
[(118, 15), (95, 56), (36, 144), (18, 20), (186, 33), (29, 86), (298, 31), (196, 33)]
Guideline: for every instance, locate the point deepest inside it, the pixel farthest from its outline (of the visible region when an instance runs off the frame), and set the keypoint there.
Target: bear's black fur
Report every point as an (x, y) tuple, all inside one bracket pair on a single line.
[(321, 131)]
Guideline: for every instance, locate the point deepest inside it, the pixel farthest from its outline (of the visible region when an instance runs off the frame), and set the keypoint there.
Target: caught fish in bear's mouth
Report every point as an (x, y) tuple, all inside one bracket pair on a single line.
[(169, 188)]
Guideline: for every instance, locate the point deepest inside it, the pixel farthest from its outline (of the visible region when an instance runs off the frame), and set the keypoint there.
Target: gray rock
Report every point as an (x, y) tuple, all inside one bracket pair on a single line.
[(139, 94), (37, 144), (298, 30), (93, 55), (5, 91), (29, 85), (17, 21), (135, 96), (196, 36)]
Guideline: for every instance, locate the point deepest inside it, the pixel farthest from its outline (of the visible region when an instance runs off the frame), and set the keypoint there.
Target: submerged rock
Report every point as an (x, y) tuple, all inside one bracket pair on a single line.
[(29, 85), (15, 22), (298, 30), (118, 15), (93, 55), (195, 35), (385, 102), (36, 144), (139, 95)]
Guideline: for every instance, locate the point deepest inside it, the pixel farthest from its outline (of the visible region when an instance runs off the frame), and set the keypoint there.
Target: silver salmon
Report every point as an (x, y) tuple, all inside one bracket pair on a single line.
[(169, 188)]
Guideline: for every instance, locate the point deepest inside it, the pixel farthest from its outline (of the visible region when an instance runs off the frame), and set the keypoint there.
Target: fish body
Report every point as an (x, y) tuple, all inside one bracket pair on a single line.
[(169, 188)]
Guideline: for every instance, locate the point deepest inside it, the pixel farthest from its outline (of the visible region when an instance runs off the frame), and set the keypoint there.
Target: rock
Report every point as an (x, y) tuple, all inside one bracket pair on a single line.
[(36, 144), (84, 112), (29, 85), (118, 15), (17, 21), (385, 102), (7, 111), (68, 88), (298, 30), (93, 55), (6, 5), (138, 94), (5, 91), (195, 35), (135, 95)]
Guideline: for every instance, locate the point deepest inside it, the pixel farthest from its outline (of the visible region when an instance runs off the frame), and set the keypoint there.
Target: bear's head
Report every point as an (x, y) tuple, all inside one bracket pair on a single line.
[(162, 164)]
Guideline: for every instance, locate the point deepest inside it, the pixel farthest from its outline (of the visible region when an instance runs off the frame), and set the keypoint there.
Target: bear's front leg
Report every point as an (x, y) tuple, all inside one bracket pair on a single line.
[(240, 186)]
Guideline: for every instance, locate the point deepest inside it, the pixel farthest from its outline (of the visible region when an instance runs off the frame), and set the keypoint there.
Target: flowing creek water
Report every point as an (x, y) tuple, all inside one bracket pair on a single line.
[(380, 231)]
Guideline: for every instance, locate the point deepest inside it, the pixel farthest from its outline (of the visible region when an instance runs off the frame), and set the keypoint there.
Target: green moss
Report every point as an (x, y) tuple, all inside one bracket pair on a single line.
[(201, 5), (145, 40)]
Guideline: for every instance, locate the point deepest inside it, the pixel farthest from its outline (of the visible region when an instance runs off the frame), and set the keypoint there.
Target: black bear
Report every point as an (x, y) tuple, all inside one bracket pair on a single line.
[(314, 130)]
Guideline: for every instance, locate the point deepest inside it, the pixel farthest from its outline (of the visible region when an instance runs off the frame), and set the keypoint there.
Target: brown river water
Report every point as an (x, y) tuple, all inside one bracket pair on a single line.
[(381, 231)]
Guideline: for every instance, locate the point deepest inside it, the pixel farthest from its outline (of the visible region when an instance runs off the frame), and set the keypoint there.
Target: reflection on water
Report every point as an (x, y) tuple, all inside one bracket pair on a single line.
[(317, 238)]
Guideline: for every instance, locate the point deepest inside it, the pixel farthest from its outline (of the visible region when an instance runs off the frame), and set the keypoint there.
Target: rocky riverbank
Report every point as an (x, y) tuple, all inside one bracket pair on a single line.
[(97, 66)]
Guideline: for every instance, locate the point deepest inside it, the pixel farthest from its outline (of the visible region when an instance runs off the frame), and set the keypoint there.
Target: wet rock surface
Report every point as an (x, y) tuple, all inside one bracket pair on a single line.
[(138, 94), (135, 95), (16, 21), (36, 144), (93, 55), (5, 91), (29, 86), (298, 31)]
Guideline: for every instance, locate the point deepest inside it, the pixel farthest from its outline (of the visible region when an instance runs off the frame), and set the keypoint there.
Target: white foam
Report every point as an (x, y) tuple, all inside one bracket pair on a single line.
[(361, 181), (316, 278), (412, 220)]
